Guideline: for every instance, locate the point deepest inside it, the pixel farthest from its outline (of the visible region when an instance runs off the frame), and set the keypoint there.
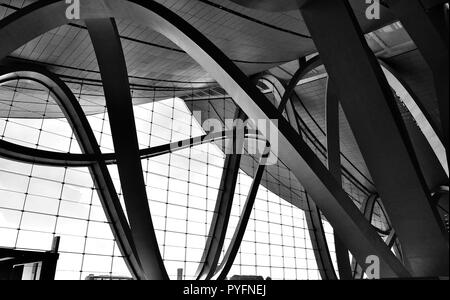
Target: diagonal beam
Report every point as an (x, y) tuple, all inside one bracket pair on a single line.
[(111, 61), (334, 165), (233, 248), (429, 31), (371, 109)]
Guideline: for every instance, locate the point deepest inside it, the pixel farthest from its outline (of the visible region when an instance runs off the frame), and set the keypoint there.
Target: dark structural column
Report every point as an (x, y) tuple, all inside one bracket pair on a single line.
[(371, 110), (426, 24), (334, 165), (111, 61)]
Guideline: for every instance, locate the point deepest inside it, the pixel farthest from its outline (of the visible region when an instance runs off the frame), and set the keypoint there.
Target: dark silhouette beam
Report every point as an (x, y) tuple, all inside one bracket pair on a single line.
[(334, 165), (113, 69), (372, 112)]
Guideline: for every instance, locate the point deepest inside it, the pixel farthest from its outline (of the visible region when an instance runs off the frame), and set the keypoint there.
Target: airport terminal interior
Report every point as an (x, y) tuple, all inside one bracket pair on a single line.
[(224, 139)]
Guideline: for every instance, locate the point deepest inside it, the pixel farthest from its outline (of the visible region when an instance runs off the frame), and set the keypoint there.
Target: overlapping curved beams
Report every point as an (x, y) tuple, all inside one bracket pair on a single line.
[(102, 180), (58, 159), (236, 240), (335, 204), (430, 170), (313, 215), (368, 210), (51, 158), (222, 210), (430, 166), (230, 255), (114, 74), (304, 68), (287, 94), (316, 61)]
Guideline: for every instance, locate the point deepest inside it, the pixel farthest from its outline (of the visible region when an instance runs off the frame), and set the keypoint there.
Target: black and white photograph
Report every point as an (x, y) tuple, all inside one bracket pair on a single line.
[(224, 147)]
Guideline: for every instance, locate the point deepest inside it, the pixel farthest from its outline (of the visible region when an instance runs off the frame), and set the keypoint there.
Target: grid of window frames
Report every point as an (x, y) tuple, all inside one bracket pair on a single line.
[(38, 202)]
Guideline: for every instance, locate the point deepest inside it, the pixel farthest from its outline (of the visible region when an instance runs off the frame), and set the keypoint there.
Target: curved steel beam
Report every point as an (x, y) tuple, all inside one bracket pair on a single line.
[(102, 180), (111, 60), (337, 207), (313, 215), (222, 210), (289, 95), (233, 248), (304, 130), (280, 95), (319, 241), (304, 68), (59, 159)]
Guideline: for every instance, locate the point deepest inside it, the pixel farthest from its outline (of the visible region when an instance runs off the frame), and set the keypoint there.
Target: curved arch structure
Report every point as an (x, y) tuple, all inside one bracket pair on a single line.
[(361, 239), (367, 209), (88, 144)]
